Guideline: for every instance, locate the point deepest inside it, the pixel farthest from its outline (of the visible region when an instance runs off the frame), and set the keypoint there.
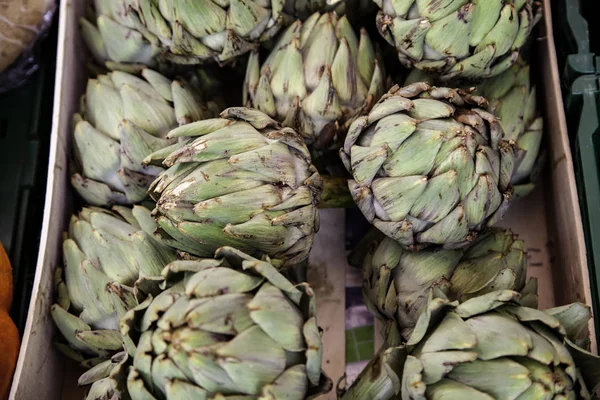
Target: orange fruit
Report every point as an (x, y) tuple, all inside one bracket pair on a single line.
[(9, 335)]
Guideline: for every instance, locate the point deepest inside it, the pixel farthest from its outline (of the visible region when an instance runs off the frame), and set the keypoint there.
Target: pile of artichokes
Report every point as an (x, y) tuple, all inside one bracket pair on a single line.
[(182, 275)]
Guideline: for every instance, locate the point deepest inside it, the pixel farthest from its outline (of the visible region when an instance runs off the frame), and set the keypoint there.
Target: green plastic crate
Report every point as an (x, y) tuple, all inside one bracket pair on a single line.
[(25, 126), (577, 45), (582, 108), (575, 54), (589, 7)]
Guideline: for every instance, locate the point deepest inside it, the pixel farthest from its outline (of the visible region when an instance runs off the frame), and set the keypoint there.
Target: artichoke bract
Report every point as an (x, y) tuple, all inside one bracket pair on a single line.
[(228, 326), (429, 166), (243, 181), (123, 119), (488, 347), (105, 253), (465, 39), (317, 78), (180, 31), (397, 282), (513, 99)]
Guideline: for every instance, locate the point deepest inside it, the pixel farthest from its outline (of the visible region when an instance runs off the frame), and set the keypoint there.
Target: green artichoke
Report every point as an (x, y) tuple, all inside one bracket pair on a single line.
[(124, 119), (489, 347), (429, 166), (178, 31), (242, 181), (397, 283), (513, 99), (464, 39), (105, 253), (317, 79), (231, 327)]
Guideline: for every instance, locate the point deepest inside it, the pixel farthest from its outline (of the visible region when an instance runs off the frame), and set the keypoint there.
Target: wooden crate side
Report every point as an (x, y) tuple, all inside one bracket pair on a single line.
[(570, 267), (40, 366)]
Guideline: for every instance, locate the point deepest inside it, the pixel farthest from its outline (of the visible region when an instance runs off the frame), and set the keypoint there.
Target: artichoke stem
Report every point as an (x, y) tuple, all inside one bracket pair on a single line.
[(336, 193)]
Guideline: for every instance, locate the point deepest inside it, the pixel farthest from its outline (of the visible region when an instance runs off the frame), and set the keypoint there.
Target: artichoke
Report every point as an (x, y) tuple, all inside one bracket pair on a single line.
[(429, 166), (242, 181), (488, 347), (124, 119), (317, 78), (179, 31), (396, 282), (225, 328), (466, 39), (513, 99), (105, 253)]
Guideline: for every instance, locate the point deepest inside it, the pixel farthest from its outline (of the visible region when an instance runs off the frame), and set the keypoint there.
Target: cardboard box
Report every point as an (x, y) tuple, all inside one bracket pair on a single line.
[(549, 221)]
